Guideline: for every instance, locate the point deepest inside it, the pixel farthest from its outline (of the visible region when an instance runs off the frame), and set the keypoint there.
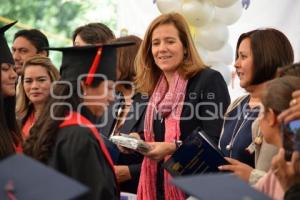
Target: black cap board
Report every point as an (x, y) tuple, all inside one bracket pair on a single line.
[(89, 60), (5, 54), (24, 178), (217, 186)]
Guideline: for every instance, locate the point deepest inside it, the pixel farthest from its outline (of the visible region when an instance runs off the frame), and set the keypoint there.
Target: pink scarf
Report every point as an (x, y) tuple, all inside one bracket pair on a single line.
[(169, 104)]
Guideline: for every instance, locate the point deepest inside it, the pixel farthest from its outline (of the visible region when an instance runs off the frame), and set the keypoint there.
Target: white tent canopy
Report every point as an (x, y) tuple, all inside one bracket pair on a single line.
[(135, 16)]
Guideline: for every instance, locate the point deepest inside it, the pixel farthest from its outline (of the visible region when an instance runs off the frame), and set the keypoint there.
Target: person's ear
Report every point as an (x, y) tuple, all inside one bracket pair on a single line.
[(84, 88), (43, 53), (271, 117), (184, 52)]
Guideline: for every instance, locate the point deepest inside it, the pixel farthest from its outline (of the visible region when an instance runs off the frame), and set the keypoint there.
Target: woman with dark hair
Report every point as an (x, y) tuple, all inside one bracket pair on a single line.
[(92, 33), (64, 137), (259, 53), (10, 137)]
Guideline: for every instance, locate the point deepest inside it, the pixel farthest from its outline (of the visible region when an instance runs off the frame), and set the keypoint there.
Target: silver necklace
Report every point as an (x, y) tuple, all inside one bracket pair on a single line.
[(229, 146)]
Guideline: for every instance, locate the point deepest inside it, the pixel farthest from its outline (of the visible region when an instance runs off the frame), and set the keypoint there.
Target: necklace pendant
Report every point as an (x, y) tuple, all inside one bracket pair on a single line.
[(258, 140), (162, 120), (251, 148), (228, 147)]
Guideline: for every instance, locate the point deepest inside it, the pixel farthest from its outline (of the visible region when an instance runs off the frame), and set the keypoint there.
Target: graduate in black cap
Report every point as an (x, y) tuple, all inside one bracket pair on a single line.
[(10, 137), (63, 137), (24, 178)]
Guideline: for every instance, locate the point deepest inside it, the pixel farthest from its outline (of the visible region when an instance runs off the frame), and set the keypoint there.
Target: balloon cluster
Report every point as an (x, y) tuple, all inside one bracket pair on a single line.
[(208, 21)]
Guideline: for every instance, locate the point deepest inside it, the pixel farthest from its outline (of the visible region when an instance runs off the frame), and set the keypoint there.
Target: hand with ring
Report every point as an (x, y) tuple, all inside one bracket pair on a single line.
[(293, 112), (293, 102)]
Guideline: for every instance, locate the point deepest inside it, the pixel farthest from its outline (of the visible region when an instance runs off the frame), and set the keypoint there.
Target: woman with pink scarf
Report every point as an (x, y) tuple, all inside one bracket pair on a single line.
[(184, 94)]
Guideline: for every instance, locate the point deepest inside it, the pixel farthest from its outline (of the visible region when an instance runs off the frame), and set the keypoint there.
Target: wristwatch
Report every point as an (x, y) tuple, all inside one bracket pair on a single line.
[(178, 143)]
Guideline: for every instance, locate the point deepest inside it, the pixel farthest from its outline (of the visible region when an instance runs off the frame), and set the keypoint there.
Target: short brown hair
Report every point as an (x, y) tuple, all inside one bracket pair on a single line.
[(278, 93), (94, 33), (270, 49), (290, 70), (38, 39), (126, 57)]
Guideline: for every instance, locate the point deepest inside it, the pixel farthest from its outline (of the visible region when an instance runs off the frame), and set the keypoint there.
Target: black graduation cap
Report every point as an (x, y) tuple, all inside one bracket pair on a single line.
[(89, 60), (24, 178), (5, 54), (217, 186)]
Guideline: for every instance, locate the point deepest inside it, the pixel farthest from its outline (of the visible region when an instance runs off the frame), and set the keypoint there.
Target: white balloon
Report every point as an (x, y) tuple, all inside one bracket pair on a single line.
[(213, 36), (198, 12), (223, 3), (225, 71), (222, 56), (166, 6), (230, 14), (203, 53)]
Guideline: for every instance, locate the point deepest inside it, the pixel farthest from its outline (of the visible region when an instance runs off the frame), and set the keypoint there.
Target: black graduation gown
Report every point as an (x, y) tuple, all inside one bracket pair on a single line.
[(134, 123), (77, 154)]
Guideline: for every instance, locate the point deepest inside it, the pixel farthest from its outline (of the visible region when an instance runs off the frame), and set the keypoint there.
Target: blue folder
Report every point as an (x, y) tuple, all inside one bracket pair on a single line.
[(196, 155)]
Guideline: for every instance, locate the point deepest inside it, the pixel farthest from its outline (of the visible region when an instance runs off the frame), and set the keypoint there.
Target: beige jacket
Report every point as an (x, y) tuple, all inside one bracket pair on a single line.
[(263, 155)]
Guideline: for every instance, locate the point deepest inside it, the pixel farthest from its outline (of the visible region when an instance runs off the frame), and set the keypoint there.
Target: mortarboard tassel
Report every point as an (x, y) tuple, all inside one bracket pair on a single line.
[(94, 67), (10, 190)]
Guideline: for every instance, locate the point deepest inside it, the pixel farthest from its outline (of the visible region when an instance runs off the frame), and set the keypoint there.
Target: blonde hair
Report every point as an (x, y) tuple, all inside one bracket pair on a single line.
[(23, 105), (146, 69)]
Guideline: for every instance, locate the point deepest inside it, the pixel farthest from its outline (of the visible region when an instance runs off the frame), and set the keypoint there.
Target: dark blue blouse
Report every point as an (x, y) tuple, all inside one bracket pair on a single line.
[(237, 134)]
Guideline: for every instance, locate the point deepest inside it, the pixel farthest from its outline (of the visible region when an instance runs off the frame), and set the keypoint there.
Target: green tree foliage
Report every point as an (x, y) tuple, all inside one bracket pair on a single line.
[(57, 18), (51, 16)]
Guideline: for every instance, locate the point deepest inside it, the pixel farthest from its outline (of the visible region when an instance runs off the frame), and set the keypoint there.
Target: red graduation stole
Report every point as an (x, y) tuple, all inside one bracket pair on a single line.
[(74, 118), (18, 149)]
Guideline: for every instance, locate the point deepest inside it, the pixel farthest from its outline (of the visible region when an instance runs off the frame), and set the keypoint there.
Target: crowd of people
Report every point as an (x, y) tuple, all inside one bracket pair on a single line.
[(156, 89)]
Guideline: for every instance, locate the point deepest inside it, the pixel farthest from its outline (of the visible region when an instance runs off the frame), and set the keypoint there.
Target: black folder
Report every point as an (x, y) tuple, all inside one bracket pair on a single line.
[(197, 155)]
